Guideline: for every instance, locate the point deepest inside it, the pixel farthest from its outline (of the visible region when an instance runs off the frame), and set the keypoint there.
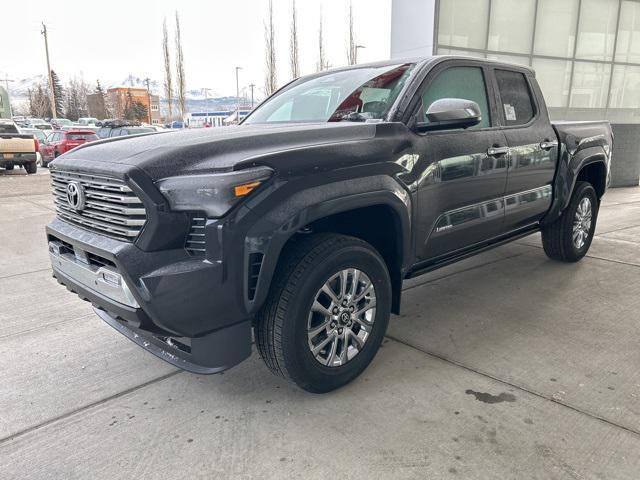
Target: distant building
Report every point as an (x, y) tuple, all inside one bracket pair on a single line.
[(119, 96), (217, 118)]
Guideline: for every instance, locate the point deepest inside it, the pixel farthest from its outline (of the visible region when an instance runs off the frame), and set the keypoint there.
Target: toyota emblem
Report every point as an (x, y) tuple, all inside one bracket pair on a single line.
[(75, 196)]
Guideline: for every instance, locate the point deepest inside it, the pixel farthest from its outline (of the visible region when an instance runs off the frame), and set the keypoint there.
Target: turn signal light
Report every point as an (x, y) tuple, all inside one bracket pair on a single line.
[(245, 188)]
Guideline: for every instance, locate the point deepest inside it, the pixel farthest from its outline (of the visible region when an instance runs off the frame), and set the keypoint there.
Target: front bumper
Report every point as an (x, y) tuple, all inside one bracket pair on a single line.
[(177, 307)]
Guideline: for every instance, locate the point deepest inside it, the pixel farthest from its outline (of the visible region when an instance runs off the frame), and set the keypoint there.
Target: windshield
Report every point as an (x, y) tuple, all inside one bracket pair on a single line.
[(358, 94)]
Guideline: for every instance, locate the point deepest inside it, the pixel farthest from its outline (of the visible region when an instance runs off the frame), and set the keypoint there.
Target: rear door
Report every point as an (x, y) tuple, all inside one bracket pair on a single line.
[(461, 172), (533, 147)]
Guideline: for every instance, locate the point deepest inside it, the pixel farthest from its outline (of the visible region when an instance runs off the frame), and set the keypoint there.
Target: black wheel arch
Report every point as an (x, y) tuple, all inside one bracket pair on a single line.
[(590, 164), (323, 209)]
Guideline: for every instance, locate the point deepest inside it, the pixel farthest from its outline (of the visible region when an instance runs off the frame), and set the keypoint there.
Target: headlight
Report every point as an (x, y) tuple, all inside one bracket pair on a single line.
[(213, 193)]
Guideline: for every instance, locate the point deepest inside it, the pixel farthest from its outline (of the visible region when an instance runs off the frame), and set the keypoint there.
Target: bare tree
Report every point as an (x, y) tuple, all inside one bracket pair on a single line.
[(271, 80), (295, 60), (352, 51), (76, 99), (168, 82), (180, 79), (322, 63)]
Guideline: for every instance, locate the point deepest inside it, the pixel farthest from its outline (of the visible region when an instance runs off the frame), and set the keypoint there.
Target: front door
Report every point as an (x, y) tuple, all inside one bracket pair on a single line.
[(461, 173)]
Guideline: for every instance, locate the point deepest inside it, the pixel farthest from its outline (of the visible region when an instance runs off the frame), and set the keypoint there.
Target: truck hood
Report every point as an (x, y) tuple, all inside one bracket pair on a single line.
[(203, 150)]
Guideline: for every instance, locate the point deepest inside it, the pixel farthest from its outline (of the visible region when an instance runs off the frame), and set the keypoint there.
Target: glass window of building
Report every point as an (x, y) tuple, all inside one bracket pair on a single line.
[(597, 29), (556, 22), (554, 77), (458, 28), (517, 59), (459, 82), (590, 85), (628, 46), (511, 25), (625, 87)]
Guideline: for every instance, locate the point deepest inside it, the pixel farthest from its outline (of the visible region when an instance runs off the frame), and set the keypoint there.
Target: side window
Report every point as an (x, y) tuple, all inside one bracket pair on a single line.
[(515, 97), (459, 82)]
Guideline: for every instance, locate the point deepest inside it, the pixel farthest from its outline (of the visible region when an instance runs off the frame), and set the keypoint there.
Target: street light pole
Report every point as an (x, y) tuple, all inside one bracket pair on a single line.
[(52, 97), (252, 86), (237, 95), (206, 104)]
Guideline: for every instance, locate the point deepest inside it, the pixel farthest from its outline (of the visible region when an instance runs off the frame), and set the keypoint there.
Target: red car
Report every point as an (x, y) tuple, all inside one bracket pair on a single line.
[(59, 142)]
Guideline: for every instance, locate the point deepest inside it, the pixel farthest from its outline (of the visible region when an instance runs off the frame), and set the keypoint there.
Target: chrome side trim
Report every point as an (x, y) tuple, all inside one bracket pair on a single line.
[(478, 212), (103, 280)]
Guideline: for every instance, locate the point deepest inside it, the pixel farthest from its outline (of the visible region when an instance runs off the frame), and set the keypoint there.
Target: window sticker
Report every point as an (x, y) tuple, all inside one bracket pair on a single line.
[(510, 112)]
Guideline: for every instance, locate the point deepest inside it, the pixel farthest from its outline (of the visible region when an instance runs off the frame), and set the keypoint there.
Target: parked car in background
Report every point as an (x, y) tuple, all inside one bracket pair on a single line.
[(39, 135), (93, 128), (88, 121), (17, 148), (121, 128), (20, 120), (59, 123), (61, 141)]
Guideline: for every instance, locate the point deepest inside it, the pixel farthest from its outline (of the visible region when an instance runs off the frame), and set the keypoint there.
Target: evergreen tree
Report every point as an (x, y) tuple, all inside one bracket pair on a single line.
[(101, 110), (139, 111), (58, 92)]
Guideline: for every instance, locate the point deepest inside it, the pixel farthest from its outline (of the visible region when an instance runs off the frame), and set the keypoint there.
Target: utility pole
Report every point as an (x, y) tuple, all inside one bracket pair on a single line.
[(206, 104), (147, 81), (52, 97), (6, 80), (237, 95), (252, 87)]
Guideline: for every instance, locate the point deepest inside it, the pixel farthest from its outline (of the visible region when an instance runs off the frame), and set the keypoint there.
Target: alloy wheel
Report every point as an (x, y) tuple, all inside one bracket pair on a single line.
[(341, 317)]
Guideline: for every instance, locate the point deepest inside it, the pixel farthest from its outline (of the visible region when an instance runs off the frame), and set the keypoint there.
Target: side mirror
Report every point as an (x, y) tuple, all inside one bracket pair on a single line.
[(448, 113)]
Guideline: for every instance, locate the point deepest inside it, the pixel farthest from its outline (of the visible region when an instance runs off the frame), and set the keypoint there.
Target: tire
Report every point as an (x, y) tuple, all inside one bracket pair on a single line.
[(559, 238), (31, 168), (282, 325), (9, 166)]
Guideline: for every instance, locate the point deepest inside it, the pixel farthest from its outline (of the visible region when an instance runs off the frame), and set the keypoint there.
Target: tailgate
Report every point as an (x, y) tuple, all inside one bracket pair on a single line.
[(17, 144)]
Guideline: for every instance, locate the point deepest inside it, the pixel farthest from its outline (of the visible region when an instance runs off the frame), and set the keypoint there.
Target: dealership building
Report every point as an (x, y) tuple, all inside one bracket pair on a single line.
[(586, 53)]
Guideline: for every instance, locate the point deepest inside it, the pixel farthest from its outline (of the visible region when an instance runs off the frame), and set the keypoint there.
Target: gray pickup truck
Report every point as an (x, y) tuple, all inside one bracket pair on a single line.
[(17, 148), (300, 224)]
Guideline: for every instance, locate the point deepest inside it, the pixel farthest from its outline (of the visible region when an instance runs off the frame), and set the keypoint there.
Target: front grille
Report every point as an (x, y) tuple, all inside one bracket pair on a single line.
[(196, 244), (111, 207)]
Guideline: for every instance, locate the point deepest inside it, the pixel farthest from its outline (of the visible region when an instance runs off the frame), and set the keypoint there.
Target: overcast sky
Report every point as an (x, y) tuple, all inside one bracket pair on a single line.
[(108, 40)]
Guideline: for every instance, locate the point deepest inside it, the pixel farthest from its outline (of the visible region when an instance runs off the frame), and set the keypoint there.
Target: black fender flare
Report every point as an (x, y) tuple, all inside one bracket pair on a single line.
[(270, 232), (570, 165)]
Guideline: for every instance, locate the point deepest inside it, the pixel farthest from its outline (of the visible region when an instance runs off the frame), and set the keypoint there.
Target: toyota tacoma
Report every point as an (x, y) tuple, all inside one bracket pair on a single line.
[(299, 225)]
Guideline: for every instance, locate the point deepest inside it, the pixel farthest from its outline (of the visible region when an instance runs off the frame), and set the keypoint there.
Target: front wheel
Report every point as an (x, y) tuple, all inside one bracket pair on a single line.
[(327, 311), (568, 238)]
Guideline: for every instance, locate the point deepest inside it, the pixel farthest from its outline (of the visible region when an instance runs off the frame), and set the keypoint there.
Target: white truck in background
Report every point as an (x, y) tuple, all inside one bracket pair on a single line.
[(17, 148)]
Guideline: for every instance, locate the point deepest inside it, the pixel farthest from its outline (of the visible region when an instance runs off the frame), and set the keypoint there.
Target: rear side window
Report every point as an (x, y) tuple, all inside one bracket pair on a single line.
[(89, 137), (515, 97), (459, 82), (8, 128)]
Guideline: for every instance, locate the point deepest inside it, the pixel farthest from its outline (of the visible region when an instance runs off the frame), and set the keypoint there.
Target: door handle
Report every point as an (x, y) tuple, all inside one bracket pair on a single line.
[(548, 145), (496, 151)]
